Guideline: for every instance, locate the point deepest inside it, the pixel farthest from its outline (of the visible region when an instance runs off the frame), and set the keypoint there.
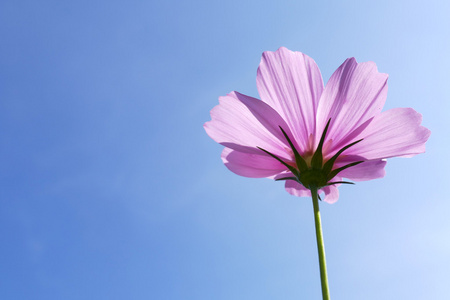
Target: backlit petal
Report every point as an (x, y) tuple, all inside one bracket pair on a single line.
[(331, 193), (296, 189), (368, 170), (251, 165), (291, 83), (396, 132), (355, 93), (243, 123)]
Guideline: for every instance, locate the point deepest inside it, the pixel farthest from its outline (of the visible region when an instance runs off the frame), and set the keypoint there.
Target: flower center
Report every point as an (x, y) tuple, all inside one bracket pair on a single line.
[(313, 178), (310, 170)]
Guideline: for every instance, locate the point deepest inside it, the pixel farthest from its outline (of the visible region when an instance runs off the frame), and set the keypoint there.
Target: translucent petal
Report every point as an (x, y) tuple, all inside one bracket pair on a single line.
[(355, 93), (251, 165), (243, 123), (368, 170), (296, 189), (396, 132), (291, 83)]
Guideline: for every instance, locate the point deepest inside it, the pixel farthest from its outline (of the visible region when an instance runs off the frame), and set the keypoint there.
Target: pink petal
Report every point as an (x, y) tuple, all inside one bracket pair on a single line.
[(396, 132), (331, 192), (243, 123), (296, 189), (355, 93), (367, 170), (291, 83), (251, 165), (284, 174)]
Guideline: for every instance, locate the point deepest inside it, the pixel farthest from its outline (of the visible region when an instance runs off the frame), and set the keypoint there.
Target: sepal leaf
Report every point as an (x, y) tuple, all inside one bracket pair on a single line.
[(290, 168), (301, 163), (287, 178), (317, 159), (329, 164), (333, 173), (339, 182)]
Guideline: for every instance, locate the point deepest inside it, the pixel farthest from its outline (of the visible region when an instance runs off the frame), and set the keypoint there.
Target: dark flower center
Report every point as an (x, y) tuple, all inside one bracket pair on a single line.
[(314, 174)]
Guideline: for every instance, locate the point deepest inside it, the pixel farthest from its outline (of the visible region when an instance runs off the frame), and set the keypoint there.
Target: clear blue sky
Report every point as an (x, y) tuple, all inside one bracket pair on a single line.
[(111, 189)]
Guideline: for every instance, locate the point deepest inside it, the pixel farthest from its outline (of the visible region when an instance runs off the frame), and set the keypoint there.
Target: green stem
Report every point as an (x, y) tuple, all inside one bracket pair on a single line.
[(320, 246)]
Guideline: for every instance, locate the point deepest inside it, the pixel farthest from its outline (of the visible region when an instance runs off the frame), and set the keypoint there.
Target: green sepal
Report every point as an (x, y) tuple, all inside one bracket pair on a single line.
[(287, 178), (301, 163), (333, 173), (318, 175), (329, 164), (339, 182), (317, 159), (291, 168)]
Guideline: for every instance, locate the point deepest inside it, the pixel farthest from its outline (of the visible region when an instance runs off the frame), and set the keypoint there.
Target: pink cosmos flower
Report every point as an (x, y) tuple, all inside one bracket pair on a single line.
[(311, 135)]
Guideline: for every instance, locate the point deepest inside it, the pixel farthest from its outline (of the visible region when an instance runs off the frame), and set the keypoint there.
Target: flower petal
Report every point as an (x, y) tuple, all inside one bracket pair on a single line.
[(291, 83), (395, 132), (331, 192), (251, 165), (355, 93), (243, 123), (368, 170), (296, 189)]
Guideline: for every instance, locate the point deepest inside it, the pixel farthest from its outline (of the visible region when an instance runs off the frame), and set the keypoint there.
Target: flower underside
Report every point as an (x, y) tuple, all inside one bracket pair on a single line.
[(318, 174)]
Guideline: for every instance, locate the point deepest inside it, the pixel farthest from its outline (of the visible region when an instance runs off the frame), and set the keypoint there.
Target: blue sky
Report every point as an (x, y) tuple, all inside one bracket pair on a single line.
[(111, 189)]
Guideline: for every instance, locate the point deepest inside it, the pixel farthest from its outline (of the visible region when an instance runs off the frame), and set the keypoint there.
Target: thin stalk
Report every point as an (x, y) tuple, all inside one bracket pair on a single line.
[(320, 246)]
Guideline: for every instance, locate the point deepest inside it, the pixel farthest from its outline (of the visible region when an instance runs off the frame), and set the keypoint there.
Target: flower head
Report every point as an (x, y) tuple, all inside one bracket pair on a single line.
[(313, 136)]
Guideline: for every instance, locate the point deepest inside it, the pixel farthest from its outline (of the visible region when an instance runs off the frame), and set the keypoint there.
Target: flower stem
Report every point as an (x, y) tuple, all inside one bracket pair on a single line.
[(320, 246)]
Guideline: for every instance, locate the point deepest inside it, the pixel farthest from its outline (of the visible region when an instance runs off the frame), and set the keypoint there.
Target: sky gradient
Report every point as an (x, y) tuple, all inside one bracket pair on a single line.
[(111, 189)]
